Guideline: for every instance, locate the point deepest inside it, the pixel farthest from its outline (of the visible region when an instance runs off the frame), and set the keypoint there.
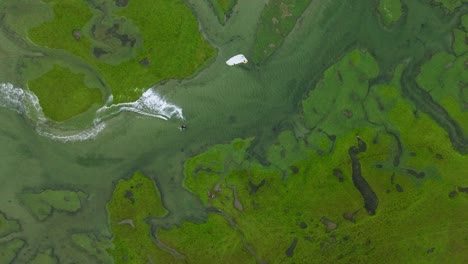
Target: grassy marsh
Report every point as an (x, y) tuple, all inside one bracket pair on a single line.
[(166, 44)]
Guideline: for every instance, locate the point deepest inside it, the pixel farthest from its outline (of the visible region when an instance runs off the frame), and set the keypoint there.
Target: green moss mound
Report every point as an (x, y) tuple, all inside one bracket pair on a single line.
[(276, 21), (133, 201), (63, 94), (390, 11), (41, 205), (131, 49)]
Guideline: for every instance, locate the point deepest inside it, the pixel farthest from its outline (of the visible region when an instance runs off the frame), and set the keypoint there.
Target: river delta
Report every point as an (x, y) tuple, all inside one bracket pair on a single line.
[(343, 140)]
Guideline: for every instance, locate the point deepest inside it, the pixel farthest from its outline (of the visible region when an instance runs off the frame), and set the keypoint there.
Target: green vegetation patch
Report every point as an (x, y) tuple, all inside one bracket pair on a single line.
[(63, 94), (45, 257), (8, 226), (451, 5), (464, 22), (212, 242), (304, 203), (444, 76), (390, 11), (42, 204), (222, 9), (57, 32), (142, 44), (277, 20), (133, 201), (345, 86), (10, 249)]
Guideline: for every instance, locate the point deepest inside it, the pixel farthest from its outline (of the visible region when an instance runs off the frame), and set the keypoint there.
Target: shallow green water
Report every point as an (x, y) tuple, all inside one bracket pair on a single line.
[(219, 104)]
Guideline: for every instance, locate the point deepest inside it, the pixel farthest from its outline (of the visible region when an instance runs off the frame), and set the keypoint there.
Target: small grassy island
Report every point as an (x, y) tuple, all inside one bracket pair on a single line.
[(43, 204), (277, 20), (222, 9), (130, 47), (390, 11)]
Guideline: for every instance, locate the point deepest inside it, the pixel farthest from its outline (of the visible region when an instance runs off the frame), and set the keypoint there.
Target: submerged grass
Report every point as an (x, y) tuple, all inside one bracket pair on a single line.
[(41, 205)]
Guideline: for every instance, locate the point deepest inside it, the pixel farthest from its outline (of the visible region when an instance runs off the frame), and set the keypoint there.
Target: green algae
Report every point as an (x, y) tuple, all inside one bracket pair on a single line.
[(222, 9), (133, 201), (276, 21), (131, 49), (278, 212), (63, 94), (10, 250), (8, 226), (45, 257), (41, 205), (93, 246), (390, 11)]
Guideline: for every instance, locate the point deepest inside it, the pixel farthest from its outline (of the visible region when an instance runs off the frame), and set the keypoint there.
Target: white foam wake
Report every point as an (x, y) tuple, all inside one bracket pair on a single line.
[(151, 103), (21, 101)]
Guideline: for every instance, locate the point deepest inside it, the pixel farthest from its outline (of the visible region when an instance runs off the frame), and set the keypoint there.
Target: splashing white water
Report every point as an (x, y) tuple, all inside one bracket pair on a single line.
[(26, 103), (151, 103), (21, 101)]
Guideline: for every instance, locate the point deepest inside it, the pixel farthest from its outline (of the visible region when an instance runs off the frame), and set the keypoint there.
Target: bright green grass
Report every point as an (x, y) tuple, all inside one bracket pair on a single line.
[(57, 33), (212, 242), (390, 11), (407, 224), (345, 84), (277, 20), (8, 226), (171, 42), (135, 199), (63, 94)]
